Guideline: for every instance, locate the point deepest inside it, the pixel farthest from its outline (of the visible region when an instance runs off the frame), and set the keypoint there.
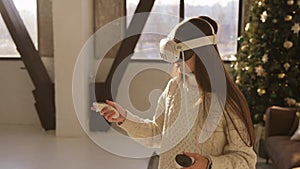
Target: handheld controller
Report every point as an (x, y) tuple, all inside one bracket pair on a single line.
[(183, 161), (99, 106)]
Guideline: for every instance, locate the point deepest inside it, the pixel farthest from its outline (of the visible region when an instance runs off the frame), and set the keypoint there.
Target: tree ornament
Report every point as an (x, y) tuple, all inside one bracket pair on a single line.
[(240, 39), (265, 58), (261, 3), (260, 71), (290, 2), (286, 66), (261, 92), (290, 101), (244, 47), (288, 18), (238, 80), (264, 16), (298, 3), (281, 75), (287, 44), (296, 28), (247, 27), (274, 20), (251, 40), (245, 68), (236, 66)]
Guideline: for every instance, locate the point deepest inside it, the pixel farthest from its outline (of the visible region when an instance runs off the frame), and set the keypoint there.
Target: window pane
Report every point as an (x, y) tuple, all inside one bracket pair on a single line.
[(27, 10), (225, 12), (148, 44)]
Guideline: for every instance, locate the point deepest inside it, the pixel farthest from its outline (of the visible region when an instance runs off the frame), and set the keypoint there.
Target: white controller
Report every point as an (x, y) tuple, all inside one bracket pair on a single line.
[(99, 106)]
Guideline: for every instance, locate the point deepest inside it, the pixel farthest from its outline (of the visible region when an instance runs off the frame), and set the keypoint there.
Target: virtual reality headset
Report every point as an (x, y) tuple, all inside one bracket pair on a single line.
[(170, 50)]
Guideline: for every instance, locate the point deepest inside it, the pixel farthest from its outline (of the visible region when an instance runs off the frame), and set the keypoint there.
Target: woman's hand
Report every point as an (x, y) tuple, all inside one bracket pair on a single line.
[(108, 114), (199, 163)]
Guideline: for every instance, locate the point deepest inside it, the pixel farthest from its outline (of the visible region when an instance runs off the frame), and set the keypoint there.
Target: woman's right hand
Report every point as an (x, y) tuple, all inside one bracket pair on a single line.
[(108, 114)]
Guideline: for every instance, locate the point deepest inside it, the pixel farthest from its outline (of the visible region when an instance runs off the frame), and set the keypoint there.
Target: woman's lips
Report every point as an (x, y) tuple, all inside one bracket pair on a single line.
[(177, 65)]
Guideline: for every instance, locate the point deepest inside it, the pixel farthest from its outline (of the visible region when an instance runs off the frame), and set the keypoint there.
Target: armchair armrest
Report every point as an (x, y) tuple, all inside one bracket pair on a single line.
[(279, 121)]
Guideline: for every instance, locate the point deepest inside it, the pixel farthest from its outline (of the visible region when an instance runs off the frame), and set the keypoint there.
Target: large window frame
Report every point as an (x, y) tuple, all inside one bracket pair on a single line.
[(229, 57)]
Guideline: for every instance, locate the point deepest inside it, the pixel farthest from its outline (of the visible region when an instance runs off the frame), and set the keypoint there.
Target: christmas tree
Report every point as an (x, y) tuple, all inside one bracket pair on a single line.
[(267, 66)]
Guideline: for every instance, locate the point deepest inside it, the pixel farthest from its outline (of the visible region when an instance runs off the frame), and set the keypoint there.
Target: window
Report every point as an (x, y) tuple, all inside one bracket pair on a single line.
[(27, 10), (225, 12), (148, 45)]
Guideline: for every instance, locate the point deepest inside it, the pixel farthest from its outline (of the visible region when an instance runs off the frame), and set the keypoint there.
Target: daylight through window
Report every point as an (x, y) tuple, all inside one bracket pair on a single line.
[(27, 10), (225, 12)]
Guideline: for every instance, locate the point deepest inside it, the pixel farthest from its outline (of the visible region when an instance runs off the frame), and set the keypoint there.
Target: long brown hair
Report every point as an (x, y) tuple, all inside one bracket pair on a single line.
[(235, 100)]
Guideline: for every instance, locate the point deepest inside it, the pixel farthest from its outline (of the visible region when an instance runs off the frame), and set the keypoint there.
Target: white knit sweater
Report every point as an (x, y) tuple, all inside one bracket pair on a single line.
[(169, 130)]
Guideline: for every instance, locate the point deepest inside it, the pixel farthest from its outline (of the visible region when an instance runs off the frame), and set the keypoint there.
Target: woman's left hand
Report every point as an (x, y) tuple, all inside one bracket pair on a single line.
[(199, 163)]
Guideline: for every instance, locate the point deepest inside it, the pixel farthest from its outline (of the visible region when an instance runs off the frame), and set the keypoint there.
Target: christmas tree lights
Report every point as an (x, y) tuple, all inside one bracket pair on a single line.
[(267, 67)]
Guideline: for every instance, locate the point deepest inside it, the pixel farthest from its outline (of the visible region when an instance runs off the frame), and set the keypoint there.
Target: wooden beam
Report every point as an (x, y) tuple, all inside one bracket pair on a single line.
[(104, 91), (44, 92), (25, 46), (128, 45), (181, 10)]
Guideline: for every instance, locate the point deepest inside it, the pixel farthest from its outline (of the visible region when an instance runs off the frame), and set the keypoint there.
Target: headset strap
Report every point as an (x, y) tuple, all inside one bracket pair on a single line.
[(195, 43)]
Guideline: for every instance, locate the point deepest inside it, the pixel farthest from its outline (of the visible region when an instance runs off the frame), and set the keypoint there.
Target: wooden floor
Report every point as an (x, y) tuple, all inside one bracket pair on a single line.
[(28, 147)]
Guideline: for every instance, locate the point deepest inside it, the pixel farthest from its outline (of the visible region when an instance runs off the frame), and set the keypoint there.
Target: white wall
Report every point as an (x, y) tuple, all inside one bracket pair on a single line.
[(16, 98), (73, 24), (141, 85)]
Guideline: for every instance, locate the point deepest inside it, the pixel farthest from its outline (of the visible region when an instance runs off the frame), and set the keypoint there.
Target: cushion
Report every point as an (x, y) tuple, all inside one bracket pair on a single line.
[(294, 126), (296, 135), (285, 154)]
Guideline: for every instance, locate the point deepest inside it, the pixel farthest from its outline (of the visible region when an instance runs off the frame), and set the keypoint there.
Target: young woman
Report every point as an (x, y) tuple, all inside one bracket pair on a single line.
[(228, 144)]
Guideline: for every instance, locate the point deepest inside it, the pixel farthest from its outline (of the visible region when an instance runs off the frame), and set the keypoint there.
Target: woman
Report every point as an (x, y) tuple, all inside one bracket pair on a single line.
[(229, 145)]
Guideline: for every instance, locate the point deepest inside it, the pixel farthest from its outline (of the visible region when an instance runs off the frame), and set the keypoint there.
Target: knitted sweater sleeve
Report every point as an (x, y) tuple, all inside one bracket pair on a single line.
[(144, 131), (236, 154)]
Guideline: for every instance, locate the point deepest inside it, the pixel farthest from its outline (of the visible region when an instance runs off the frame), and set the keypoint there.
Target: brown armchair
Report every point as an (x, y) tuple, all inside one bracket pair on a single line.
[(281, 123)]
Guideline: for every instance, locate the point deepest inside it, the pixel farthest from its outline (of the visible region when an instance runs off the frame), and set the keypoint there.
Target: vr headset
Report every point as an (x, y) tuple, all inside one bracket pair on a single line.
[(170, 50)]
